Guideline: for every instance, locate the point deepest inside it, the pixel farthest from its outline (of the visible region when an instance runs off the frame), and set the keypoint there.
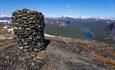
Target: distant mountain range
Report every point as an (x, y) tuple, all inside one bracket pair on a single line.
[(5, 18), (61, 20)]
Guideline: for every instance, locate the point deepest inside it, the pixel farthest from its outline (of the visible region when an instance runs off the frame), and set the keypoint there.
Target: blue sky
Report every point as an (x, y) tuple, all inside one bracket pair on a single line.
[(88, 8)]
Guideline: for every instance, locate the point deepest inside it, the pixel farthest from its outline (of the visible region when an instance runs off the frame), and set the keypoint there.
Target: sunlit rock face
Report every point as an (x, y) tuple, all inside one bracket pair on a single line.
[(29, 28)]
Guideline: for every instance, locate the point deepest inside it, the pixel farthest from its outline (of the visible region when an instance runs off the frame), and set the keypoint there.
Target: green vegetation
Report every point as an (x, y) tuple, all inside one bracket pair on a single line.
[(78, 30)]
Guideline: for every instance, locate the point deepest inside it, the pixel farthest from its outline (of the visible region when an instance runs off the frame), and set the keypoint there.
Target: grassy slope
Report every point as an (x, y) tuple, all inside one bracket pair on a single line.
[(72, 54), (78, 31)]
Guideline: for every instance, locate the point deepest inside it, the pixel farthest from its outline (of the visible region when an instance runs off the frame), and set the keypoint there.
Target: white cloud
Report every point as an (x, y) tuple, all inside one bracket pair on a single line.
[(68, 6)]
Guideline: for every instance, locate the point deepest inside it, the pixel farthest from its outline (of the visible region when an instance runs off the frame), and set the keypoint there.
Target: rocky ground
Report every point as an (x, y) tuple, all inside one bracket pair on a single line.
[(61, 54)]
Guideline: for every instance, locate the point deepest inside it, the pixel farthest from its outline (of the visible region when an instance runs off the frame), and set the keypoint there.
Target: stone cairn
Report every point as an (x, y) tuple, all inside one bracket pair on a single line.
[(29, 28)]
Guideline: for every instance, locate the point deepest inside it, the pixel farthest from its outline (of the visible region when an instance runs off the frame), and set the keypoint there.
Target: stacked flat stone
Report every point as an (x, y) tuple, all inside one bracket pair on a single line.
[(29, 28)]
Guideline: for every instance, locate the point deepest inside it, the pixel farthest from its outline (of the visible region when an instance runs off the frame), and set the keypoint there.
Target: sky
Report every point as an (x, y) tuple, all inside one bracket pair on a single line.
[(75, 8)]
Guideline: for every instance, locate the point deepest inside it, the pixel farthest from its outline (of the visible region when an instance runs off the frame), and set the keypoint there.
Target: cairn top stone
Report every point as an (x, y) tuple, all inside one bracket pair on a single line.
[(25, 10)]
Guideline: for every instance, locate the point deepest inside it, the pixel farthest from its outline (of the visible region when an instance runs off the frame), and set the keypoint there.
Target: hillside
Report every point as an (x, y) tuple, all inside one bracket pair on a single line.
[(61, 54), (75, 27), (68, 50), (77, 30)]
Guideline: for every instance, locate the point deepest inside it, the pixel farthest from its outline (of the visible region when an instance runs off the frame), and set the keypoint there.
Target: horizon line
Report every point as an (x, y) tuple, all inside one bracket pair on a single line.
[(56, 16)]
